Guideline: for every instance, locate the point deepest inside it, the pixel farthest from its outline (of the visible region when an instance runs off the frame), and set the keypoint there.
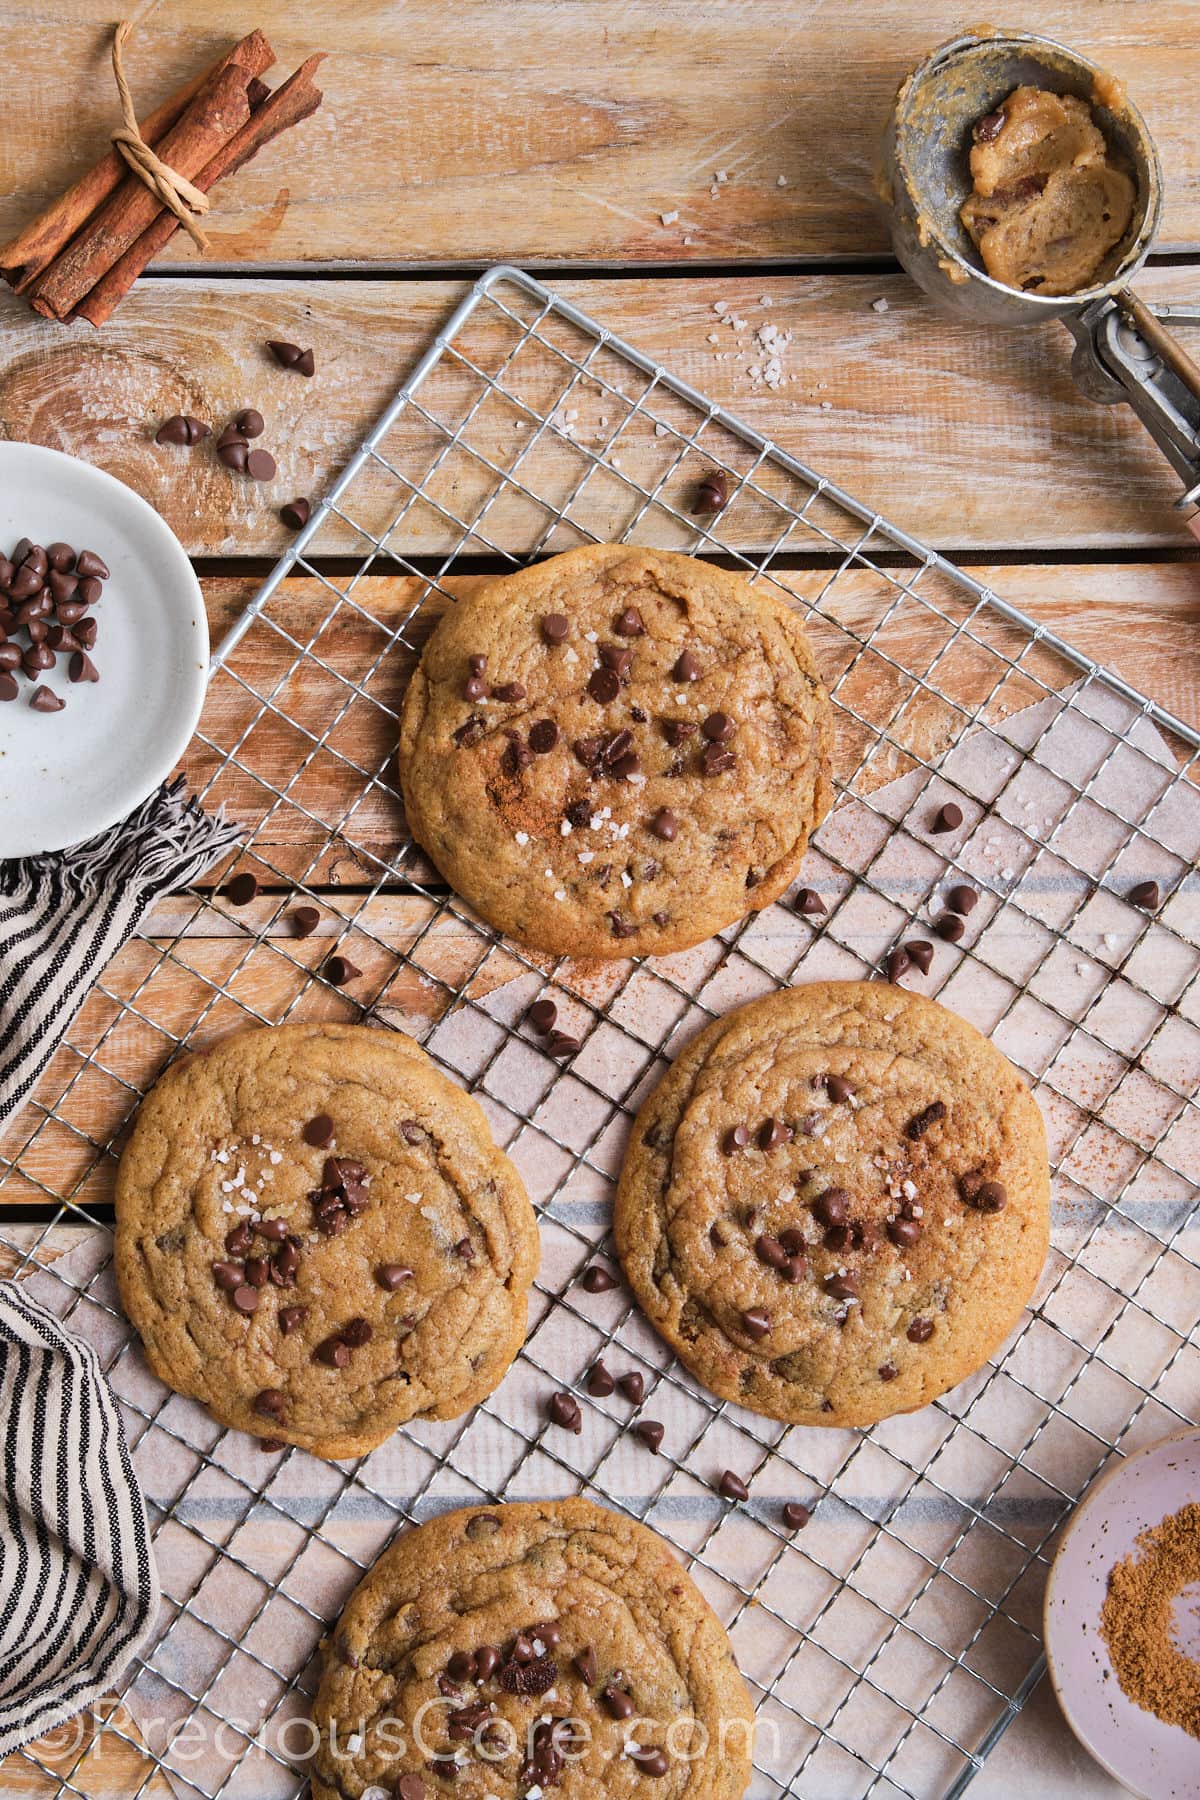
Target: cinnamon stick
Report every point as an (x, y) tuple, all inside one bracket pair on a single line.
[(34, 249), (294, 100), (219, 110)]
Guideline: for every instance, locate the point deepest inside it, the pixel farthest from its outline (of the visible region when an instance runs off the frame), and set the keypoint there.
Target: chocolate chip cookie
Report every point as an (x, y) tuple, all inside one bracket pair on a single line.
[(317, 1238), (836, 1203), (515, 1650), (616, 752)]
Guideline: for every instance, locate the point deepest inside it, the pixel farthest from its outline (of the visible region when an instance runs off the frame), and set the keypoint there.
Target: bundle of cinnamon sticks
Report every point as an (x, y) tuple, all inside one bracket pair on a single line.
[(80, 258)]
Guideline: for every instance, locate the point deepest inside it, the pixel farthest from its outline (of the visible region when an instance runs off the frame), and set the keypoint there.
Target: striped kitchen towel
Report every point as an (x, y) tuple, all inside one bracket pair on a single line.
[(78, 1585), (63, 915)]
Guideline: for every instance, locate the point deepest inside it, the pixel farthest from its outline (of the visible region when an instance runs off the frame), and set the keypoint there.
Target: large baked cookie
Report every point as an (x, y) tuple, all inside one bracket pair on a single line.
[(616, 752), (317, 1238), (836, 1203), (511, 1651)]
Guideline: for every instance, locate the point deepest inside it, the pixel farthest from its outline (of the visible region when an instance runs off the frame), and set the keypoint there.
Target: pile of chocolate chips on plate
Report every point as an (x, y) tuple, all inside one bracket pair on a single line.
[(47, 593)]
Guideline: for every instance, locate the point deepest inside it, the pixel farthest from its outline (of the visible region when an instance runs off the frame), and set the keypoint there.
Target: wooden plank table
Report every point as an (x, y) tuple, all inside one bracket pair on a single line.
[(660, 158)]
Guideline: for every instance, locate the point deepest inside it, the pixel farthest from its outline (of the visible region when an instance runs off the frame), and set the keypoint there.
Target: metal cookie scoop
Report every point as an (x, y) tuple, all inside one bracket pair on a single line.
[(1123, 348)]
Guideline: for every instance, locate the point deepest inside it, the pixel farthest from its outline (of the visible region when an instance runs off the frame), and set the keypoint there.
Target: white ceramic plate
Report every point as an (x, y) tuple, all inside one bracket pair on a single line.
[(67, 775), (1154, 1760)]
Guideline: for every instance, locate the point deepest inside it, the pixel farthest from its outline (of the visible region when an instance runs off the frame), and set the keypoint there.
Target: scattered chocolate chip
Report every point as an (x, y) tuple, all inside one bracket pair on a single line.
[(319, 1132), (616, 1702), (88, 563), (250, 423), (664, 824), (181, 428), (677, 731), (633, 1386), (597, 1280), (1145, 894), (536, 1676), (45, 700), (411, 1787), (543, 737), (509, 693), (712, 492), (305, 920), (756, 1323), (838, 1088), (732, 1487), (562, 1044), (487, 1661), (832, 1207), (929, 1115), (482, 1525), (258, 1271), (950, 927), (796, 1516), (650, 1432), (920, 954), (962, 898), (290, 356), (291, 1318), (888, 1371), (809, 903), (584, 1665), (246, 1299), (948, 817), (842, 1287), (333, 1352), (714, 760), (603, 685), (600, 1383), (339, 970), (736, 1138), (542, 1015), (234, 453), (920, 1331), (772, 1133), (687, 667), (629, 623), (465, 1250), (898, 963), (228, 1275), (650, 1761), (718, 727), (241, 889), (556, 628), (904, 1233), (296, 513), (770, 1251), (984, 1196), (260, 465), (391, 1276), (271, 1403), (81, 667)]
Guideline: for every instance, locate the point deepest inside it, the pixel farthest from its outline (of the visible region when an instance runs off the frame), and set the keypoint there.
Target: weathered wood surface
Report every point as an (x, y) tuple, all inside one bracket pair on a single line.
[(514, 129), (970, 440)]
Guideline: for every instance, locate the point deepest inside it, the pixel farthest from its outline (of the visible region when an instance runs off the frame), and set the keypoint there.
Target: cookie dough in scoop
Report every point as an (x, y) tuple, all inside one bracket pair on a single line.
[(1048, 202)]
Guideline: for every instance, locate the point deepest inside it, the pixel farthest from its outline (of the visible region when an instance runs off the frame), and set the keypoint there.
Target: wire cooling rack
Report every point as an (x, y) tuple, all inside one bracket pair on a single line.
[(890, 1643)]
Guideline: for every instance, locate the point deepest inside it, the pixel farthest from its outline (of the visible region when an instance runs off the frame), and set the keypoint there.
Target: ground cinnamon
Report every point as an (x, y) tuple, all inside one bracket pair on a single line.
[(1138, 1625)]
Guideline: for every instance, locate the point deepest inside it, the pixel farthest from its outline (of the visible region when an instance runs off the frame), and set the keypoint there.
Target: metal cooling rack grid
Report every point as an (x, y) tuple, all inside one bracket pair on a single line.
[(931, 1533)]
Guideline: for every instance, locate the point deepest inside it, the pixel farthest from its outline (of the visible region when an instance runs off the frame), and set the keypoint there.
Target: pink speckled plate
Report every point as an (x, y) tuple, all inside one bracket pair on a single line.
[(1155, 1761)]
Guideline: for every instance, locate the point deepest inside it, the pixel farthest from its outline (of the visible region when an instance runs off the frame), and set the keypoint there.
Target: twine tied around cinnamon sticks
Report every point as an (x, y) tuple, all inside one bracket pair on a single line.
[(176, 192)]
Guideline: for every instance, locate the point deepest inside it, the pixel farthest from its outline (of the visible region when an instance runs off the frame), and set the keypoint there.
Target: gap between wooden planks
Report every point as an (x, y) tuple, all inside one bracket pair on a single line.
[(968, 439), (512, 129)]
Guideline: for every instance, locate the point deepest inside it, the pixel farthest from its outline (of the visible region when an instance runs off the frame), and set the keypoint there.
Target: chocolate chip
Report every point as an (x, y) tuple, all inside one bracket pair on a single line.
[(616, 1702), (929, 1115), (509, 693), (391, 1276), (677, 731), (290, 356), (888, 1371), (178, 429), (962, 898), (948, 817), (718, 727), (770, 1251), (809, 903), (712, 492), (271, 1403), (291, 1318), (772, 1133), (474, 688), (650, 1432), (90, 589), (274, 1230), (45, 700), (482, 1525), (81, 667), (736, 1138), (543, 737), (904, 1233), (920, 1331), (1145, 894), (984, 1196), (620, 926), (629, 623), (85, 631), (756, 1323), (88, 563), (487, 1661), (228, 1275), (556, 628), (597, 1280), (235, 454), (633, 1386), (333, 1352), (411, 1787), (732, 1487), (246, 1299), (258, 1272), (988, 129), (241, 889), (603, 685), (249, 422), (920, 954), (600, 1383), (319, 1132), (950, 927), (664, 824), (585, 1666), (562, 1044), (715, 761), (650, 1761), (339, 970), (898, 964), (838, 1238), (832, 1207), (687, 667), (260, 465), (542, 1015), (796, 1516), (296, 513), (842, 1287)]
